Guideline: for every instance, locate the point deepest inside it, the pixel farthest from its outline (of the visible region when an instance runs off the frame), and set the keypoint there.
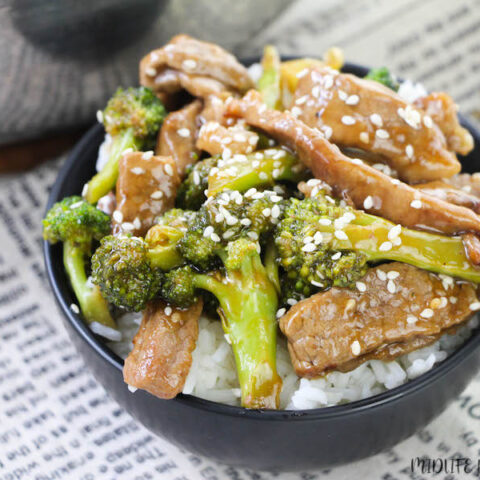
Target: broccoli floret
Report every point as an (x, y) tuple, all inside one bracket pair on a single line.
[(77, 224), (248, 306), (132, 118), (382, 75), (322, 243), (191, 192), (129, 269), (227, 217)]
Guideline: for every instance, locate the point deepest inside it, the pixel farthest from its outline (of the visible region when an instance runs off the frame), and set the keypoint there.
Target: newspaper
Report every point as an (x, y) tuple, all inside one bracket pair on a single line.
[(57, 422)]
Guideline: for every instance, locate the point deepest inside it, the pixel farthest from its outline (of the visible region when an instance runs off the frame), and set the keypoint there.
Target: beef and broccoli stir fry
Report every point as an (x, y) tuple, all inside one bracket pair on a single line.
[(309, 204)]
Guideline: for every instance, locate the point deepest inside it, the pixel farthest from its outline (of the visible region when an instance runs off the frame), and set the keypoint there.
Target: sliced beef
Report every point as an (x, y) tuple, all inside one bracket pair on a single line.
[(214, 108), (193, 57), (178, 135), (364, 114), (162, 349), (469, 183), (215, 138), (146, 188), (401, 309), (443, 111), (451, 194), (391, 198)]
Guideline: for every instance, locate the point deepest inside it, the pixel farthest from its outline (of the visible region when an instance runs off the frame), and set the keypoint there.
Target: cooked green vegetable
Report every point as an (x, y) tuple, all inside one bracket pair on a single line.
[(269, 83), (260, 169), (77, 224), (132, 118), (321, 244), (191, 193), (382, 75), (248, 306)]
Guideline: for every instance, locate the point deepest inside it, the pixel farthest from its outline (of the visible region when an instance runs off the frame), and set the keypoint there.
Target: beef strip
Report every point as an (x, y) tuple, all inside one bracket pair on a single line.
[(194, 57), (469, 183), (443, 111), (146, 188), (392, 199), (364, 114), (171, 81), (340, 328), (162, 349), (215, 138), (178, 134), (451, 194)]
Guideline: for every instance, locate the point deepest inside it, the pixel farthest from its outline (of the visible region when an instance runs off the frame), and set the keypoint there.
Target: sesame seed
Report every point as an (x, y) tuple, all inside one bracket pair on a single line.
[(385, 246), (147, 155), (409, 151), (350, 305), (74, 308), (364, 137), (196, 177), (395, 181), (474, 306), (368, 203), (348, 120), (391, 286), (292, 301), (189, 64), (75, 205), (381, 275), (231, 220), (168, 169), (342, 95), (453, 300), (328, 81), (99, 116), (183, 132), (316, 284), (411, 319), (127, 150), (352, 100), (394, 232), (281, 312), (263, 176), (253, 140), (443, 302), (318, 238), (427, 121), (327, 130), (151, 71), (127, 226), (341, 235), (336, 256), (416, 204), (168, 311), (137, 223), (275, 211), (361, 287), (428, 313), (132, 389), (357, 161), (381, 133), (376, 119), (392, 275), (246, 222), (309, 247), (228, 234), (137, 170), (325, 222), (214, 237), (296, 111), (208, 231), (356, 348), (156, 195), (117, 216), (252, 235)]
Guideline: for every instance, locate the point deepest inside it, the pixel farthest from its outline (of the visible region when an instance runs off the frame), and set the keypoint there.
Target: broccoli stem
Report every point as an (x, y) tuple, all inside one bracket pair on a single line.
[(432, 252), (248, 305), (105, 180), (93, 306), (269, 82), (271, 266), (240, 174)]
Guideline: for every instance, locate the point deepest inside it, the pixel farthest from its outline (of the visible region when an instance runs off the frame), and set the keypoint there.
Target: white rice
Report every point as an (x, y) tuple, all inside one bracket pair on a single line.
[(213, 373)]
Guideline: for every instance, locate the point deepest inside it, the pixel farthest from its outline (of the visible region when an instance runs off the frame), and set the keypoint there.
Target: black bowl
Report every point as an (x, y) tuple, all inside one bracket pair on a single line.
[(266, 440)]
